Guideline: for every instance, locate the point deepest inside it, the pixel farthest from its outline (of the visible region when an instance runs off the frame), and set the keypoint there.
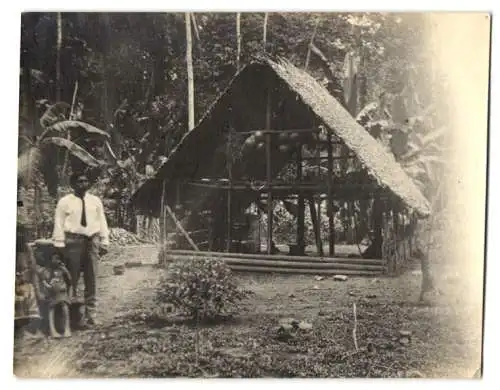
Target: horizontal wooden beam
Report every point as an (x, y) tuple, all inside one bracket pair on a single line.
[(320, 187), (330, 265), (282, 270), (325, 158), (275, 131), (256, 256)]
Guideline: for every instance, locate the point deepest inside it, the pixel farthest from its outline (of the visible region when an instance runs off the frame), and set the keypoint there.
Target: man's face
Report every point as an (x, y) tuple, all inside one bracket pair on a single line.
[(81, 184)]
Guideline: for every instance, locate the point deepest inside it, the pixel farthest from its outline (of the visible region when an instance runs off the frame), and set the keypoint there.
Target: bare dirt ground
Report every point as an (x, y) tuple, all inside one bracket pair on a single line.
[(135, 340)]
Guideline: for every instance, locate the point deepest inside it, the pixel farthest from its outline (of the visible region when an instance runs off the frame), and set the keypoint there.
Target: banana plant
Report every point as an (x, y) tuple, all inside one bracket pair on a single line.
[(36, 162), (423, 158), (417, 144)]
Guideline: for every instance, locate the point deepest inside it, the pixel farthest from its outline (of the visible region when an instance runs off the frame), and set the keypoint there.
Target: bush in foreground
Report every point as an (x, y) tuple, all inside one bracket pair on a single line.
[(202, 288)]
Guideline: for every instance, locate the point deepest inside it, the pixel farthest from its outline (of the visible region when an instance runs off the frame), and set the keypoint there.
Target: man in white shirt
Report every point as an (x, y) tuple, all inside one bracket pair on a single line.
[(81, 231)]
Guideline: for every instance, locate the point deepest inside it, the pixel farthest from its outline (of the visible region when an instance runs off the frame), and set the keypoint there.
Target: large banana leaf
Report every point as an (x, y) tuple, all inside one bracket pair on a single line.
[(55, 113), (68, 125), (75, 150)]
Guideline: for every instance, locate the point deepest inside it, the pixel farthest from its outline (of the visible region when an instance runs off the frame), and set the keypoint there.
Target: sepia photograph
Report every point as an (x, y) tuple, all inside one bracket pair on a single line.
[(251, 194)]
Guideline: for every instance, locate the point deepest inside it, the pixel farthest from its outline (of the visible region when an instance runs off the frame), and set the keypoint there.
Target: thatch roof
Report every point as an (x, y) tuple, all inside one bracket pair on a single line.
[(380, 165)]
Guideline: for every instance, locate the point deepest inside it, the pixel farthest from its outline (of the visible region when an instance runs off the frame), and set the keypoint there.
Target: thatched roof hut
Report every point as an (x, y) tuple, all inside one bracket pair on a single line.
[(298, 100)]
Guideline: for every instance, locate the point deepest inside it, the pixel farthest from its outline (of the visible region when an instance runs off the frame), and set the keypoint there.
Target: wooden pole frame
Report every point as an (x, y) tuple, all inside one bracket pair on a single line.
[(229, 192), (331, 220), (315, 221), (269, 176), (301, 205), (163, 215), (181, 229), (279, 131)]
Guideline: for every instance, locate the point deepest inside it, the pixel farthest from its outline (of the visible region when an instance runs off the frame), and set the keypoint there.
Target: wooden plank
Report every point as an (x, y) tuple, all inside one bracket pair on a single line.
[(295, 265), (248, 268), (179, 226), (299, 265), (315, 259)]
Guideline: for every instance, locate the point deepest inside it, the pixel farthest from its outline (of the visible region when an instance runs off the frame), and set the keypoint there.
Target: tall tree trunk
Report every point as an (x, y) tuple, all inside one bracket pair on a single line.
[(108, 96), (264, 33), (362, 83), (28, 102), (64, 176), (189, 63), (362, 86), (308, 57), (28, 40), (238, 40), (58, 63)]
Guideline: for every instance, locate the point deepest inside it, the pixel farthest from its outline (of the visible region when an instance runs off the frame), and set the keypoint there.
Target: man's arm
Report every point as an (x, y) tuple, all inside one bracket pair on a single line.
[(58, 233), (103, 231)]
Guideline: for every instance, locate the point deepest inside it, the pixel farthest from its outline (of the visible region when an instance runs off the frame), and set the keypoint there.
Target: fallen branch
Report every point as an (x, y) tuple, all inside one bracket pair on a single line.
[(355, 326)]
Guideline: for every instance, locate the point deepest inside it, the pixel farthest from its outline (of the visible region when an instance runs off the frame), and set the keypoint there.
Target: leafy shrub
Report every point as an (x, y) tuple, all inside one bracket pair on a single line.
[(201, 288)]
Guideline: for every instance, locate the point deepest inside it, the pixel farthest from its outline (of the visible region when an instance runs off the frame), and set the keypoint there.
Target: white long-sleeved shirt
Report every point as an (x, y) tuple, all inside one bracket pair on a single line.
[(68, 216)]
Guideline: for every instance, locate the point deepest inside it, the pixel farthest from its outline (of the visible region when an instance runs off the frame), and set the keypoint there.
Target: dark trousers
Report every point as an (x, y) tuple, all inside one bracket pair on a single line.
[(81, 255)]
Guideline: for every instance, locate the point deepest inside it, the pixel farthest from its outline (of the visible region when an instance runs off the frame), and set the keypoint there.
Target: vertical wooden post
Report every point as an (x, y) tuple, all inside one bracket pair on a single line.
[(177, 195), (315, 222), (269, 177), (229, 163), (331, 223), (301, 205), (210, 232), (319, 241), (395, 221), (259, 240), (162, 214)]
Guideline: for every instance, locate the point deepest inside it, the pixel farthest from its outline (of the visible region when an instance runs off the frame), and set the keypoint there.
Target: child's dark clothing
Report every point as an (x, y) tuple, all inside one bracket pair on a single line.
[(55, 284)]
